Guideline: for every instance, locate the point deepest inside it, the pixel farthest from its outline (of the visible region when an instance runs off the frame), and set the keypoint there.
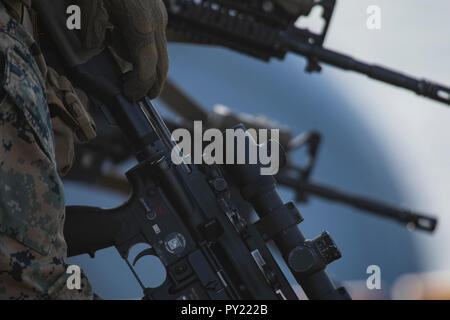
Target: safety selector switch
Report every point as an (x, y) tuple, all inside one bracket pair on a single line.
[(313, 255)]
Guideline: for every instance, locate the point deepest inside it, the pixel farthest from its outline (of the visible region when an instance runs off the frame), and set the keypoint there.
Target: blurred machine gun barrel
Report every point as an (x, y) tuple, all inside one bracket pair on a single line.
[(263, 29), (292, 176)]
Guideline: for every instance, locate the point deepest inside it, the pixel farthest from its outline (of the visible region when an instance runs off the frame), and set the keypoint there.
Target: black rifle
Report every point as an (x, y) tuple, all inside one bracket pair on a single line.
[(109, 146), (185, 212), (262, 29)]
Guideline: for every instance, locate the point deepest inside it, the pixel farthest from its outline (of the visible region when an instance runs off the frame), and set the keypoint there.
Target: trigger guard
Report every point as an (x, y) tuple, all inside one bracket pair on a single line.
[(146, 252)]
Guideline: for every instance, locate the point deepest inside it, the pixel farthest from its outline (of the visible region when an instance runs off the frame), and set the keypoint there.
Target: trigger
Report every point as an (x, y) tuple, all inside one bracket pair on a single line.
[(146, 252)]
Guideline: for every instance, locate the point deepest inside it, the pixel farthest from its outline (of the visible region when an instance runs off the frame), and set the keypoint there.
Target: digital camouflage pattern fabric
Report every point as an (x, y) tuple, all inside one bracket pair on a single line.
[(32, 246)]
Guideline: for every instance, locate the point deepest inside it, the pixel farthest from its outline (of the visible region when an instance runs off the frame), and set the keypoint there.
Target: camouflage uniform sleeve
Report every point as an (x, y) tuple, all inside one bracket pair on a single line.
[(32, 247)]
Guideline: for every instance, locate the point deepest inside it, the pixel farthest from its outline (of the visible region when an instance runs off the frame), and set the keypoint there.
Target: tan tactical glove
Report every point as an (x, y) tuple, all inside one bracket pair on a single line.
[(138, 35), (296, 7), (64, 146), (70, 119)]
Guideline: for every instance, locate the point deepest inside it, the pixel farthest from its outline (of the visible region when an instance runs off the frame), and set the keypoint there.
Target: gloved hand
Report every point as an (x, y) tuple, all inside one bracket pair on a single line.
[(138, 35), (296, 7)]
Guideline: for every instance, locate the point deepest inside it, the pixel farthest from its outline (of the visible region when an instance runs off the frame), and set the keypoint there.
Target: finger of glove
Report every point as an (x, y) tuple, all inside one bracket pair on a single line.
[(163, 57), (145, 65), (144, 74), (142, 24), (116, 40), (94, 20), (162, 66)]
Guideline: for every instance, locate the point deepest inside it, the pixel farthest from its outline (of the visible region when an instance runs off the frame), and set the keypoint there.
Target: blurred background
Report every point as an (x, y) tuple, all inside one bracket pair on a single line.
[(378, 141)]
